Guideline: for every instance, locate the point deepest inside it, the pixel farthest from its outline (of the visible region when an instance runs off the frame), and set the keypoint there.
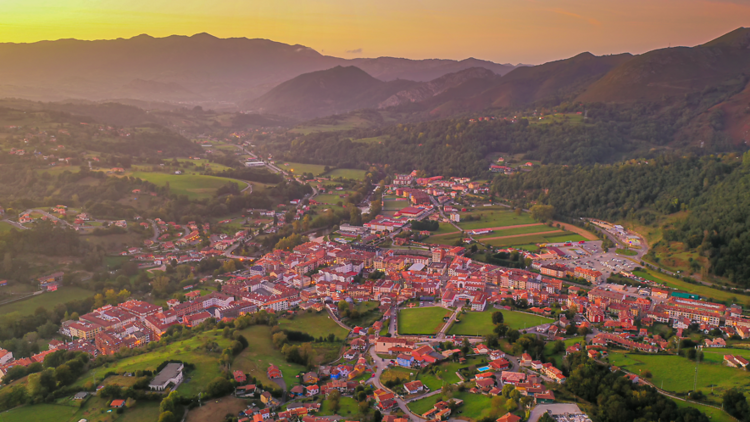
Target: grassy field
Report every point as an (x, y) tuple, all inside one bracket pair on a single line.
[(494, 217), (5, 227), (448, 240), (699, 289), (480, 323), (536, 228), (557, 358), (256, 359), (716, 415), (446, 373), (211, 409), (95, 410), (626, 252), (428, 320), (46, 300), (315, 324), (193, 186), (188, 350), (532, 239), (368, 314), (475, 406), (353, 174), (676, 373), (347, 406)]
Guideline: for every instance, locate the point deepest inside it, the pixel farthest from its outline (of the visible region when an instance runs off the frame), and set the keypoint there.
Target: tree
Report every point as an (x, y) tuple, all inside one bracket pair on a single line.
[(167, 416), (735, 404), (334, 398), (511, 405), (542, 213), (497, 318), (220, 386)]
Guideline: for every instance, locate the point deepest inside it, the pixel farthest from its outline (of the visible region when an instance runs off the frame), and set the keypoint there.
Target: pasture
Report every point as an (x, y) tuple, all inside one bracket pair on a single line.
[(427, 320)]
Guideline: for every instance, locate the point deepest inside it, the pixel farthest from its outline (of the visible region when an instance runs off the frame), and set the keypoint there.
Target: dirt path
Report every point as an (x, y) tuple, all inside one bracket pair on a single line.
[(522, 235), (576, 229)]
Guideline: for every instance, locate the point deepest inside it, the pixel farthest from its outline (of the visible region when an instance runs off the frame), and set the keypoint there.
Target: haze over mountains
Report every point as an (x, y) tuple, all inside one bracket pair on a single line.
[(264, 76), (200, 68)]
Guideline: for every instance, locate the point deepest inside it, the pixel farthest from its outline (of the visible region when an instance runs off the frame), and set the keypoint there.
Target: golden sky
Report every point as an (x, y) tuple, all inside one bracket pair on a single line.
[(526, 31)]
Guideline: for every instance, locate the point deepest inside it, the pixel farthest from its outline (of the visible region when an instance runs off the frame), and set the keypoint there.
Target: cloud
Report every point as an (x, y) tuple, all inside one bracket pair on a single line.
[(355, 51)]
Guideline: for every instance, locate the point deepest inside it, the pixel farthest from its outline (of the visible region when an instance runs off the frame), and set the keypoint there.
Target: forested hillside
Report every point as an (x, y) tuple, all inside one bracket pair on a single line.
[(712, 189)]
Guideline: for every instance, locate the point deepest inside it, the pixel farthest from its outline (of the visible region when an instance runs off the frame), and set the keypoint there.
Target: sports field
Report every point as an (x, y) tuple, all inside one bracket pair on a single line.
[(427, 320), (480, 323), (194, 186), (47, 300), (675, 373)]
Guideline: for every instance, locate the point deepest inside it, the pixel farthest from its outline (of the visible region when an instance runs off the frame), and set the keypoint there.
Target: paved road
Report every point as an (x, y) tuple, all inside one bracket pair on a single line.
[(380, 366), (16, 224)]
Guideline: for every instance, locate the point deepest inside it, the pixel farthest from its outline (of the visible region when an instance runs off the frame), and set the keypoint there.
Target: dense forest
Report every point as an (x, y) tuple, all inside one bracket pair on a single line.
[(713, 188)]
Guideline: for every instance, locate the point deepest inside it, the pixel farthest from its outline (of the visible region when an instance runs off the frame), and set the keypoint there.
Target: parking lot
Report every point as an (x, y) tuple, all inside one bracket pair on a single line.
[(590, 255)]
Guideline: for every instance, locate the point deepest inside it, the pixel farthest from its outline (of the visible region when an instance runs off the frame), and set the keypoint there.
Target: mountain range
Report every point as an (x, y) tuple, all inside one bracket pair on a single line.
[(623, 78), (196, 69)]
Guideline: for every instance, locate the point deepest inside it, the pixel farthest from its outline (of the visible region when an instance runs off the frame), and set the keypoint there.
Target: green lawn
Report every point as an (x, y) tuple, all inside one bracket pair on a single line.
[(716, 355), (480, 323), (557, 358), (493, 217), (427, 320), (260, 354), (449, 239), (299, 168), (347, 406), (396, 373), (47, 300), (188, 350), (676, 373), (699, 289), (5, 227), (317, 324), (194, 186), (475, 406)]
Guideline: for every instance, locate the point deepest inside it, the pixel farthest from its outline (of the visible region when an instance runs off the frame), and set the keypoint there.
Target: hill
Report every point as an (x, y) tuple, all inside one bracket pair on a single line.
[(549, 83), (672, 72), (199, 69), (326, 92), (438, 86)]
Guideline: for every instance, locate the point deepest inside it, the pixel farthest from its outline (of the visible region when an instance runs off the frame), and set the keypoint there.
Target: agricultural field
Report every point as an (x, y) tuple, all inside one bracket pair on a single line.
[(193, 186), (699, 289), (480, 323), (427, 320), (373, 140), (5, 227), (47, 300), (675, 373), (347, 406)]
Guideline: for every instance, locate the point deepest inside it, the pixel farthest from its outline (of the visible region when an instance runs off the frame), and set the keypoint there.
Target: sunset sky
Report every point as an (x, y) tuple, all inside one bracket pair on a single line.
[(526, 31)]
